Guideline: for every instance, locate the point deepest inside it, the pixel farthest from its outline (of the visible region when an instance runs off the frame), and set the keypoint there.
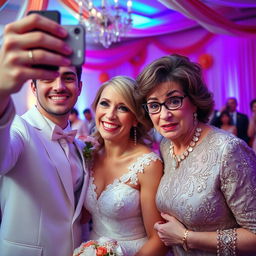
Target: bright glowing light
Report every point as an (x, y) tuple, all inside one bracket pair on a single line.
[(144, 22), (144, 8)]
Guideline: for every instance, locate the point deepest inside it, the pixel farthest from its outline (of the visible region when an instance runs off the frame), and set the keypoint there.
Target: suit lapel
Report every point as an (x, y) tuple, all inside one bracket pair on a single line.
[(62, 165), (85, 183), (54, 150)]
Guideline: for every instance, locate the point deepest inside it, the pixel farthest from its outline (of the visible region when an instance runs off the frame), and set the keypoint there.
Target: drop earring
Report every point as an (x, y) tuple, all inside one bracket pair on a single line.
[(135, 135), (195, 120)]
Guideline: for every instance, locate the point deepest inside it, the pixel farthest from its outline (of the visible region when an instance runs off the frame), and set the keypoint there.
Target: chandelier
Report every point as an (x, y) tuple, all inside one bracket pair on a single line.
[(106, 23)]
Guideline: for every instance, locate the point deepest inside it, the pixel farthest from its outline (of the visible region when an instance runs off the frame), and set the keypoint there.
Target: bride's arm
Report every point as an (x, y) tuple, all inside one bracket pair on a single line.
[(149, 181)]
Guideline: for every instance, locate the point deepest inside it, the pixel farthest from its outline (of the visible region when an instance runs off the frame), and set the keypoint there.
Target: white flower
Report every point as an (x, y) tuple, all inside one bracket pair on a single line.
[(119, 251), (90, 248), (89, 251)]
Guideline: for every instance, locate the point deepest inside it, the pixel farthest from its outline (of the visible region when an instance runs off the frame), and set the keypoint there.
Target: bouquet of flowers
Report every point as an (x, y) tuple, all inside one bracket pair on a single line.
[(102, 247)]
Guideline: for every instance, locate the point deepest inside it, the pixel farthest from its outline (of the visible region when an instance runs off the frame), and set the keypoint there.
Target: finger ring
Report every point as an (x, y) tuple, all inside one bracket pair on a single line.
[(30, 56)]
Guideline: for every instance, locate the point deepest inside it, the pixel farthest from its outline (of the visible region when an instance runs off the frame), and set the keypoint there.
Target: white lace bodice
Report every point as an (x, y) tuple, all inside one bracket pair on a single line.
[(117, 213)]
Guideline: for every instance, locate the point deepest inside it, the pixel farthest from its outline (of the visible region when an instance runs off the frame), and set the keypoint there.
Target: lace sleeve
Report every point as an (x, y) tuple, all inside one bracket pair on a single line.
[(138, 167), (238, 182)]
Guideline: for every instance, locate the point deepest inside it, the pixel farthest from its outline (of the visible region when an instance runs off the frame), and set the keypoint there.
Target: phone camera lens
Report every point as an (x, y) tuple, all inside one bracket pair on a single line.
[(77, 31)]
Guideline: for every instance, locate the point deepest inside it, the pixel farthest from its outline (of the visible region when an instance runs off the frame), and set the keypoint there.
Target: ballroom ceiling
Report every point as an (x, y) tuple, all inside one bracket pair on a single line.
[(147, 15)]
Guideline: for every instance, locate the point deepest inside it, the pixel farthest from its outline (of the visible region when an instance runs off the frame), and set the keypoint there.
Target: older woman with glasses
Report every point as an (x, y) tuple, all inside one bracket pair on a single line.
[(207, 195)]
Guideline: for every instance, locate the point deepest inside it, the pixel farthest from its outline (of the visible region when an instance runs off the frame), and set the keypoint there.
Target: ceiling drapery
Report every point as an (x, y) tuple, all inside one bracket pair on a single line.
[(37, 5), (210, 19), (73, 5), (194, 9), (236, 3), (113, 57), (2, 2)]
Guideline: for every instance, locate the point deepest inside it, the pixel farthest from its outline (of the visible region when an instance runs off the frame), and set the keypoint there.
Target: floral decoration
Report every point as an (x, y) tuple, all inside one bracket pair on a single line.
[(91, 144), (102, 247)]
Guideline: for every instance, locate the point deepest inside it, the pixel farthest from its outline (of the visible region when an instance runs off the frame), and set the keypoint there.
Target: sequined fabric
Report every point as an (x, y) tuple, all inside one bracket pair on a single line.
[(213, 188)]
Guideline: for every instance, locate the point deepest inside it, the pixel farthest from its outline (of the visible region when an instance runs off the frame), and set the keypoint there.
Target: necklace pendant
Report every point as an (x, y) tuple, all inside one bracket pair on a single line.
[(177, 159), (175, 162)]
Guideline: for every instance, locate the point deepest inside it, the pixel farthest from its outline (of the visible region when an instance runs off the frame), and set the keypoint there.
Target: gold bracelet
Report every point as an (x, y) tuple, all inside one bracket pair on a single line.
[(184, 240)]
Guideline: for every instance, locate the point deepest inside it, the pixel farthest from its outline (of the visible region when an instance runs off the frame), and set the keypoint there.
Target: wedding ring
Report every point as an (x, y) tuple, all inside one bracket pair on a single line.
[(30, 56)]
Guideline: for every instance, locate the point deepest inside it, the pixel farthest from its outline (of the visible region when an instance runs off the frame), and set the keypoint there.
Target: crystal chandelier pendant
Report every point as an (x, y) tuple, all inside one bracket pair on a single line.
[(107, 23)]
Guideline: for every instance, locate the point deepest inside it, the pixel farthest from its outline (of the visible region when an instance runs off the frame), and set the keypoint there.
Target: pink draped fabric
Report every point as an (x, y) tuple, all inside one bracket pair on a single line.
[(2, 2), (237, 3), (37, 5), (231, 74), (73, 5), (113, 57), (210, 19)]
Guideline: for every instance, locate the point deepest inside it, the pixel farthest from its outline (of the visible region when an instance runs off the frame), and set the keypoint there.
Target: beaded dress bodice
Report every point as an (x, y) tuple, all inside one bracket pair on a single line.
[(116, 213), (213, 188)]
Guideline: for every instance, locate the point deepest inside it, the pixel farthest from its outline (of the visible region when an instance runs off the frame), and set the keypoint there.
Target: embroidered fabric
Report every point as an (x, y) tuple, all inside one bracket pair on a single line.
[(117, 213), (213, 188), (226, 242)]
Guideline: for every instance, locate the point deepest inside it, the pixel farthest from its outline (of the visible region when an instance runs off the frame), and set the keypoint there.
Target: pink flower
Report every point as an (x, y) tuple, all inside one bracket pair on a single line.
[(103, 247)]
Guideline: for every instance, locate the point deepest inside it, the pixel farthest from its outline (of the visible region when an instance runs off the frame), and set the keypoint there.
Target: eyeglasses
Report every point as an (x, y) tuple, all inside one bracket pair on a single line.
[(171, 103)]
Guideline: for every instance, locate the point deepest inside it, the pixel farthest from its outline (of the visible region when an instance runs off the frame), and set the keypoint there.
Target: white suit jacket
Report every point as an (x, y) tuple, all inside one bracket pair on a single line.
[(39, 216)]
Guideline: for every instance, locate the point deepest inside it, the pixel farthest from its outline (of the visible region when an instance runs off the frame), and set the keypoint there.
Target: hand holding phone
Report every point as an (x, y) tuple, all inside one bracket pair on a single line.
[(75, 39)]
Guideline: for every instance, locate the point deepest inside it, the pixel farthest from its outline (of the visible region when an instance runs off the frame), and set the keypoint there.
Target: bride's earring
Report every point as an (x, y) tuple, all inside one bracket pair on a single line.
[(135, 135)]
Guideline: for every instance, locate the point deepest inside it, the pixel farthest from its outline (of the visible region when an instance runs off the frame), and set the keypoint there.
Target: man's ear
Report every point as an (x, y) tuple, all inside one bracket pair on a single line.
[(80, 85), (33, 86)]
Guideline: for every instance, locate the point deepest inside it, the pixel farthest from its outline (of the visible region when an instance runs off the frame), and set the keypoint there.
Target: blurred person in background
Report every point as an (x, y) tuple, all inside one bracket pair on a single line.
[(89, 120), (78, 124), (226, 123), (252, 125)]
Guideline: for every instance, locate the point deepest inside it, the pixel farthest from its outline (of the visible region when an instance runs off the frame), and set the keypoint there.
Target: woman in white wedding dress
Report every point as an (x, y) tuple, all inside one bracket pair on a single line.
[(125, 173)]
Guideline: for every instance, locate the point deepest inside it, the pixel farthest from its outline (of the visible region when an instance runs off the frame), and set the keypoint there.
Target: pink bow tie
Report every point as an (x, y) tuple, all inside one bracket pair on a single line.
[(58, 133)]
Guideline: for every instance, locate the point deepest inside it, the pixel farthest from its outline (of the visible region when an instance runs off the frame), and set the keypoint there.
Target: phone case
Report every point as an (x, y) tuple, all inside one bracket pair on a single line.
[(76, 40), (52, 15)]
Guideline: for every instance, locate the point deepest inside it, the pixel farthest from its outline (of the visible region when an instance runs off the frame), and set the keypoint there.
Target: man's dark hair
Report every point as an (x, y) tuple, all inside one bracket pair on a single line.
[(87, 110), (79, 70), (74, 111)]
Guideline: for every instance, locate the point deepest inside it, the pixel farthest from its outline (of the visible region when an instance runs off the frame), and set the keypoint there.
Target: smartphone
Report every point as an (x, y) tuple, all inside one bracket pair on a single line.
[(51, 14)]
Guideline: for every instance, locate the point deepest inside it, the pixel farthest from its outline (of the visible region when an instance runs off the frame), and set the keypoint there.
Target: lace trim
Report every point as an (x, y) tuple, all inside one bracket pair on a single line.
[(134, 169), (138, 167)]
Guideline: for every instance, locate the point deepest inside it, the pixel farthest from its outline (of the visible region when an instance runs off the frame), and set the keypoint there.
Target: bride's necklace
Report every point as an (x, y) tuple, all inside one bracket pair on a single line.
[(188, 150)]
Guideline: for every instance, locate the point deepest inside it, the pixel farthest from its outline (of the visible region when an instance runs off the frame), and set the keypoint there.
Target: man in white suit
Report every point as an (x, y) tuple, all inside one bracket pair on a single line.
[(42, 187)]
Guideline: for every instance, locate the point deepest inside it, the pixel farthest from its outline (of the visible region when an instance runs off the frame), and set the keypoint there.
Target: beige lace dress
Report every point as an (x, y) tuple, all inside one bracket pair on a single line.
[(213, 188)]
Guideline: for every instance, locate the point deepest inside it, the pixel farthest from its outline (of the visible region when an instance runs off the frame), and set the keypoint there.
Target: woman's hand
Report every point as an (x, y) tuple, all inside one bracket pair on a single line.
[(170, 232)]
